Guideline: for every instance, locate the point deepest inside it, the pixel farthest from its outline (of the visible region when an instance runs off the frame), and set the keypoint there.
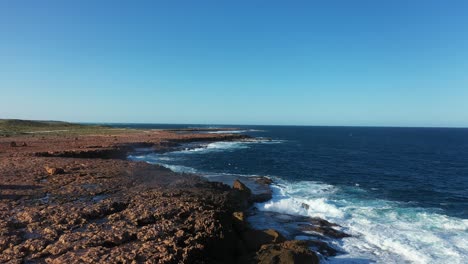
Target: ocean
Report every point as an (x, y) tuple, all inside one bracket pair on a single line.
[(402, 193)]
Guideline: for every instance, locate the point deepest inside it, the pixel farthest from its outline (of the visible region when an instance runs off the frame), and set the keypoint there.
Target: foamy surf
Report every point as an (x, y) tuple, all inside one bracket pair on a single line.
[(383, 231), (221, 146), (234, 131), (215, 146)]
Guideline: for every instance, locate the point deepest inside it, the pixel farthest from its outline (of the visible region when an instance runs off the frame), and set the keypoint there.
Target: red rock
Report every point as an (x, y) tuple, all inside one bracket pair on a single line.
[(238, 185), (54, 170)]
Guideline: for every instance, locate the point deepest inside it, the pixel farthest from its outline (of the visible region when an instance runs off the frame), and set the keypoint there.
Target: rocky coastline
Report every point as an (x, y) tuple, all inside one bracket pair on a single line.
[(76, 199)]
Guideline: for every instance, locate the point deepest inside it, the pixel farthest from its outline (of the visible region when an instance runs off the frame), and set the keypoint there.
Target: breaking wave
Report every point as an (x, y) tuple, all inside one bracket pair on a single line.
[(382, 231), (234, 131), (224, 146)]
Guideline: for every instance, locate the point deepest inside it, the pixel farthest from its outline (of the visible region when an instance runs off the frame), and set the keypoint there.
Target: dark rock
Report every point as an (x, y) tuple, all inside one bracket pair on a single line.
[(13, 144), (321, 222), (293, 251), (254, 239), (238, 185), (263, 192), (324, 230), (241, 195), (261, 197), (323, 247), (263, 180), (239, 221)]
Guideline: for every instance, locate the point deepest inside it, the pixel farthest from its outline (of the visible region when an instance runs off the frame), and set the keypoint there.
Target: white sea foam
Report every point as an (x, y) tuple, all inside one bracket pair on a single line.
[(179, 168), (153, 158), (383, 231), (165, 159), (146, 149), (212, 147), (221, 146), (227, 131), (234, 131)]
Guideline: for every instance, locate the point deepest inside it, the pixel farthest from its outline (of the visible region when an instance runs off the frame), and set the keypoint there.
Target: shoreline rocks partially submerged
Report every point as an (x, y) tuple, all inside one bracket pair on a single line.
[(77, 199)]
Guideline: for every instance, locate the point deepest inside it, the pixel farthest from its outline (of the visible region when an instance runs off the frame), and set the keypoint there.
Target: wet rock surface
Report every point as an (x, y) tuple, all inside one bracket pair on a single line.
[(318, 233)]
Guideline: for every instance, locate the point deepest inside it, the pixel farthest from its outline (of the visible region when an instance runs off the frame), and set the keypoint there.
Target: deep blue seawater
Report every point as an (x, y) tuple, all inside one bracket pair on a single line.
[(402, 192)]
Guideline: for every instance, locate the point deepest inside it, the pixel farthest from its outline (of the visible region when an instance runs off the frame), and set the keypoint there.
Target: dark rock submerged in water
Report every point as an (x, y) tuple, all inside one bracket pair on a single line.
[(266, 246), (323, 230), (316, 232)]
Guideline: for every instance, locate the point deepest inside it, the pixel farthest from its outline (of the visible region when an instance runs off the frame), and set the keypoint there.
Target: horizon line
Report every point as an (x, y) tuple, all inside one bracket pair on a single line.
[(225, 124)]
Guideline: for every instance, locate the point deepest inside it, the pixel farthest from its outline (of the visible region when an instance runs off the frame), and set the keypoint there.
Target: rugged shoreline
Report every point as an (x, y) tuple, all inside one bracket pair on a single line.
[(77, 199)]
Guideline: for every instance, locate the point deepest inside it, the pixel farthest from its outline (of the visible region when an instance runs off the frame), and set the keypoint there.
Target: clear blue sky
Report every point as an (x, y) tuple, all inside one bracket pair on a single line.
[(396, 63)]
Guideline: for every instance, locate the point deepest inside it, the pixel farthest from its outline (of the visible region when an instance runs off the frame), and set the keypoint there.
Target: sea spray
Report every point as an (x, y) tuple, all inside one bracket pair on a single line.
[(382, 231)]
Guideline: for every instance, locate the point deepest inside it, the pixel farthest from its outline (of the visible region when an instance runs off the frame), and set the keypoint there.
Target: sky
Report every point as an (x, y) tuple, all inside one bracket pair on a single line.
[(350, 63)]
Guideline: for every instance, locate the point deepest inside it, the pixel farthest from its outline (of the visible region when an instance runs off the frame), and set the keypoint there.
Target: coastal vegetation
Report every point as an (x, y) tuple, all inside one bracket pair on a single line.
[(15, 127)]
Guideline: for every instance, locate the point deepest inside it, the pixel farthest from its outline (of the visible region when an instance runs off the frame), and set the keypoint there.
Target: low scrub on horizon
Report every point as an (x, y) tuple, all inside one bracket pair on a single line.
[(10, 127)]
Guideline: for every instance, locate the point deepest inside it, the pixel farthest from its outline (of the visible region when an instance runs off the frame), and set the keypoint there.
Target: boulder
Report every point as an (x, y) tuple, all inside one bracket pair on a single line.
[(263, 192), (241, 195), (238, 185), (277, 237), (239, 221), (254, 239), (13, 144), (293, 251)]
